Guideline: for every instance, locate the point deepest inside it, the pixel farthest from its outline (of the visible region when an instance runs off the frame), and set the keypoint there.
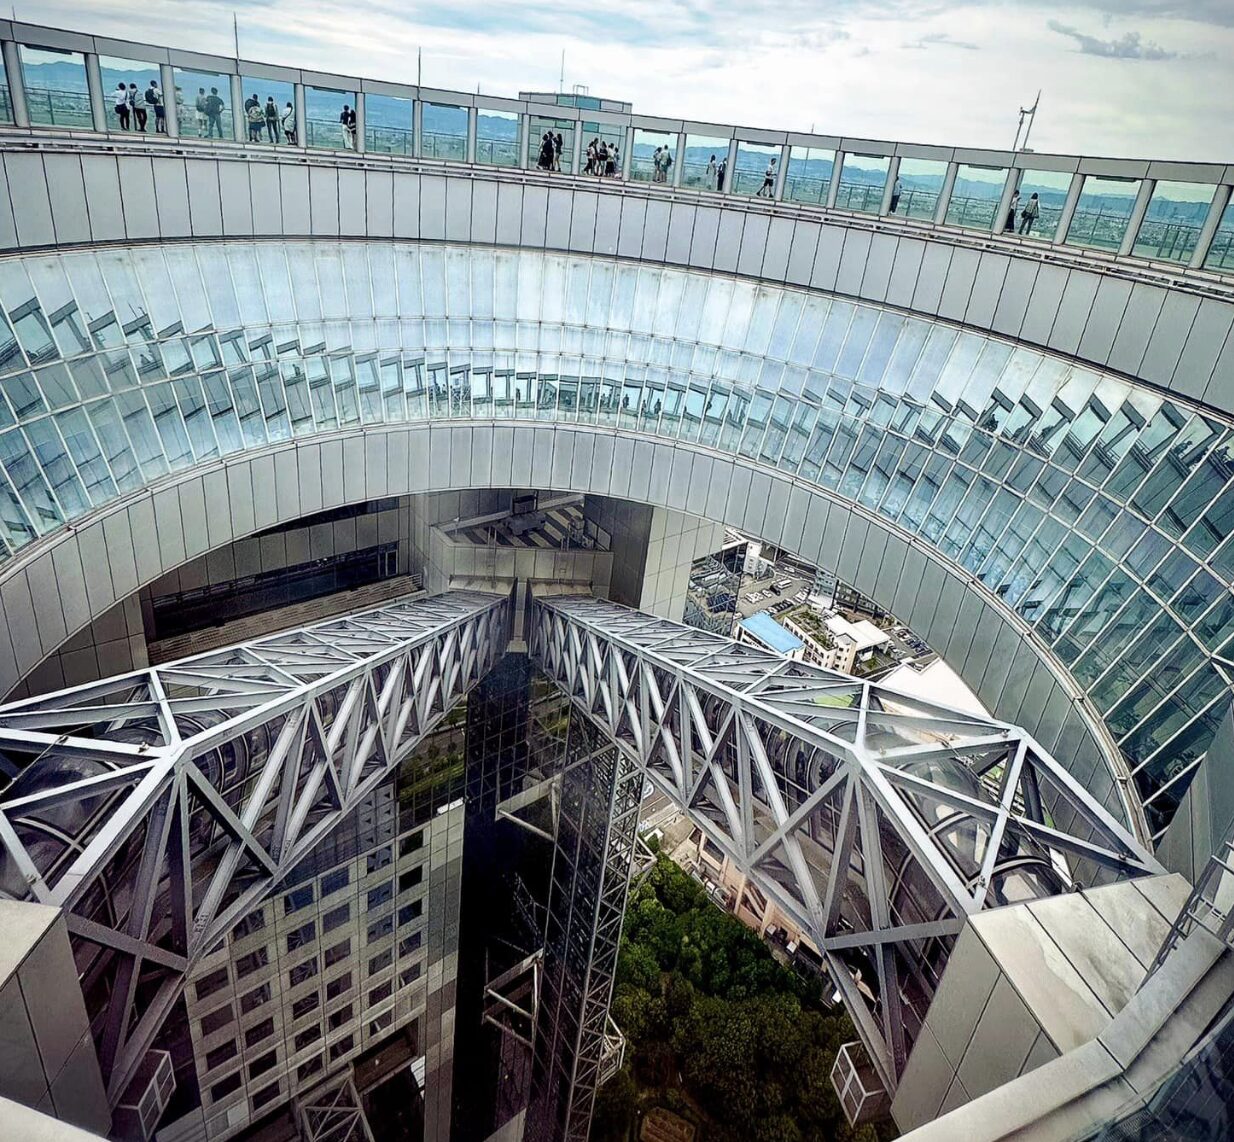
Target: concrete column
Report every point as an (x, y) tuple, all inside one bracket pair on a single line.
[(1004, 201), (473, 119), (167, 81), (301, 106), (627, 154), (1221, 199), (730, 172), (417, 127), (524, 139), (240, 127), (893, 172), (359, 122), (944, 195), (1073, 200), (679, 159), (17, 88), (94, 85), (1138, 210), (837, 169), (782, 177), (576, 158)]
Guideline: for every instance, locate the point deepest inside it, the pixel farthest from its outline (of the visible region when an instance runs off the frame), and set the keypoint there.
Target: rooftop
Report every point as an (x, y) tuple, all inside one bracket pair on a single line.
[(771, 634)]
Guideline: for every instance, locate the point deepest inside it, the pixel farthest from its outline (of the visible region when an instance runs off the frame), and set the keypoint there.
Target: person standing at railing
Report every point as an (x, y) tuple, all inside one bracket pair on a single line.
[(256, 119), (710, 173), (137, 108), (122, 106), (154, 99), (289, 125), (272, 119), (721, 172), (1009, 227), (202, 118), (557, 152), (1029, 214), (614, 162), (214, 114), (348, 119), (896, 190), (768, 189)]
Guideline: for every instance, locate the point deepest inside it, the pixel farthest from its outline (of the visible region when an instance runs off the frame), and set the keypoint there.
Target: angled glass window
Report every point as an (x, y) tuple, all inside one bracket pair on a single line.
[(756, 169), (330, 119), (551, 146), (918, 184), (1050, 188), (975, 196), (1173, 221), (1102, 214), (388, 125), (56, 91), (269, 111), (207, 104), (125, 83), (1221, 253), (443, 132), (652, 158), (602, 145), (701, 161), (6, 100), (863, 179), (809, 174), (498, 137)]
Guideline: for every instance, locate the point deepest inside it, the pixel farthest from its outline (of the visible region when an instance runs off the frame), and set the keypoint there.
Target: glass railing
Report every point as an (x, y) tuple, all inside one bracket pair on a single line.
[(49, 107)]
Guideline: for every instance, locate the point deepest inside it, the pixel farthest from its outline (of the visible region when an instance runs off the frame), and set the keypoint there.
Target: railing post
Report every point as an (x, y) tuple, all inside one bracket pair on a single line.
[(1216, 208), (945, 193), (239, 121), (167, 81), (1073, 200), (1138, 210), (94, 86), (17, 86), (358, 141), (417, 126)]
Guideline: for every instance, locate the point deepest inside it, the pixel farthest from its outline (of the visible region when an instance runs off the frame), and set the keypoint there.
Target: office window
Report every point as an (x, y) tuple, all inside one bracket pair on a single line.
[(338, 953), (221, 1089), (307, 1036), (220, 1055), (333, 881), (498, 137), (301, 897), (246, 965), (258, 1032), (56, 93), (379, 860), (1172, 223), (217, 1019), (411, 843), (382, 991), (255, 921), (302, 972), (862, 181), (381, 961), (409, 944), (1103, 212), (336, 1019), (306, 1004), (410, 878), (380, 928), (381, 1022), (409, 975), (209, 984), (975, 196), (387, 125), (339, 1049), (335, 917), (380, 895), (265, 1095), (301, 936), (262, 1064), (443, 132), (410, 912), (309, 1069), (919, 183), (252, 1000), (1051, 189), (700, 164), (337, 987)]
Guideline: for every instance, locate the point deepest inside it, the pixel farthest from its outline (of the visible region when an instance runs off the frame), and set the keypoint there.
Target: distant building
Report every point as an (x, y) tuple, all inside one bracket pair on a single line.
[(763, 631), (832, 641)]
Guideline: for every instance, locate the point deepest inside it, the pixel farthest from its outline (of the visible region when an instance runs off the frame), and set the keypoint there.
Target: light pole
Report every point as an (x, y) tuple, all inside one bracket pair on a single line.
[(1029, 114)]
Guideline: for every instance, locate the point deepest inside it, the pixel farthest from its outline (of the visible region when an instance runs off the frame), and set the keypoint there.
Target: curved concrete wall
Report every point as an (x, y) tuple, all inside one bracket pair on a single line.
[(78, 573)]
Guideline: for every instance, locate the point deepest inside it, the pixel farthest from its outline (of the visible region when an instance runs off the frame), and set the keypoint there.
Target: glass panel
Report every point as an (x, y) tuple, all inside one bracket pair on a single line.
[(267, 103), (443, 132), (703, 157), (6, 101), (603, 155), (862, 180), (387, 125), (1173, 221), (809, 174), (1102, 214), (125, 83), (497, 137), (1043, 194), (56, 91), (1221, 253), (917, 186), (552, 144), (754, 172), (652, 158), (330, 118), (208, 94), (974, 198)]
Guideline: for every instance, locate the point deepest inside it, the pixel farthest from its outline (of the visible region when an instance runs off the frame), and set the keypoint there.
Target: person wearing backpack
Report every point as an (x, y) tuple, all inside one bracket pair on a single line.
[(1029, 214), (137, 108), (289, 125), (257, 121), (154, 98), (272, 119), (203, 119)]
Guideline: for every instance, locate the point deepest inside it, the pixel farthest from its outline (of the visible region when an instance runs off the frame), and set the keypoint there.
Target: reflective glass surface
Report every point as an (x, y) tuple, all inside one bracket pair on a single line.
[(443, 132), (650, 155), (207, 96), (862, 180), (755, 169), (6, 100), (1103, 212), (124, 86), (976, 195), (269, 111), (329, 118), (542, 152), (1051, 188), (498, 142), (701, 161), (1173, 221), (809, 174), (1221, 253), (613, 138), (1100, 511), (388, 125), (56, 91), (920, 181)]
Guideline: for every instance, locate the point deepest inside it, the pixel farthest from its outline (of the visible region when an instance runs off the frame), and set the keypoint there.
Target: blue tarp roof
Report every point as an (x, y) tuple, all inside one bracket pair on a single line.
[(771, 633)]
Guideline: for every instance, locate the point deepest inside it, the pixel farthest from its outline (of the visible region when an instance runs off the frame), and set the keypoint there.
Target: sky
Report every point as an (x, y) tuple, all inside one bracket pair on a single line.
[(1127, 78)]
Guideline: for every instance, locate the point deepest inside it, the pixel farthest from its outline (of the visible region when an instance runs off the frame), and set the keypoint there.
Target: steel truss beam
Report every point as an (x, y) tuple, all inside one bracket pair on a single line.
[(877, 820), (157, 808)]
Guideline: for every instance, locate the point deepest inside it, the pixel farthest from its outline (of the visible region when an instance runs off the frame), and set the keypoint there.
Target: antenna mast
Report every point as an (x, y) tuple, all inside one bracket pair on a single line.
[(1029, 114)]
